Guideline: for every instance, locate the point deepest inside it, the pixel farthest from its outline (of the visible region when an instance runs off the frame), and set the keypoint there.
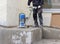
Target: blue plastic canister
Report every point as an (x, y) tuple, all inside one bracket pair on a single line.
[(21, 20)]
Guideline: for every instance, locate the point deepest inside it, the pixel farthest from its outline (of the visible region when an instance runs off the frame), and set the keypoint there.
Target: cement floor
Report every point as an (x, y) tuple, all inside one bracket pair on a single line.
[(48, 41), (47, 33)]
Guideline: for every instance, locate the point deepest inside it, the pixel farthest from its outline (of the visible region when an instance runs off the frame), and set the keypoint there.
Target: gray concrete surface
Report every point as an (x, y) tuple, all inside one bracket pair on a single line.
[(7, 33), (50, 36), (51, 33), (48, 41)]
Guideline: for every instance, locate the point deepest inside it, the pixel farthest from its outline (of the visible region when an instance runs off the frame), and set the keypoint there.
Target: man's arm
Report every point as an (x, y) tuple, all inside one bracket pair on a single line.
[(29, 1), (41, 2)]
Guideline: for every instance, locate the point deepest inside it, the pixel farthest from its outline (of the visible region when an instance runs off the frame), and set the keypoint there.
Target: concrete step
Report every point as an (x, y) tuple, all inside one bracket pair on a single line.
[(51, 33), (48, 41), (7, 35)]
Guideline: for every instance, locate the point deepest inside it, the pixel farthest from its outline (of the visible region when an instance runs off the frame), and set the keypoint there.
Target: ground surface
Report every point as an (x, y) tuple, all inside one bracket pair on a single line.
[(48, 41)]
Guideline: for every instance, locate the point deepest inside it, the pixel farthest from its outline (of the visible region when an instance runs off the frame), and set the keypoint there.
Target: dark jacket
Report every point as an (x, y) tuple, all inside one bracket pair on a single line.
[(36, 2)]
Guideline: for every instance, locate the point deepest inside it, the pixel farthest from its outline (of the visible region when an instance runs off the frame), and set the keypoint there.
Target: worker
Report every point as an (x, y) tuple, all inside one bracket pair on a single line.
[(37, 9)]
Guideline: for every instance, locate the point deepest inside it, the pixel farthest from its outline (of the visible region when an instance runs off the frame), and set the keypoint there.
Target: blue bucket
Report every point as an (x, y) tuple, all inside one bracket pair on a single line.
[(22, 16), (21, 20)]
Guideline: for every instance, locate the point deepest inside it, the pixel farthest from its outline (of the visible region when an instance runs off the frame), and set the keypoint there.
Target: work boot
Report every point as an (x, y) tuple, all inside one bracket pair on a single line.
[(36, 25), (41, 26)]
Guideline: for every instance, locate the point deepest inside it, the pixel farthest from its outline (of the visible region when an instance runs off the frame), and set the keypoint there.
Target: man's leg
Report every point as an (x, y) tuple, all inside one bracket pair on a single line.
[(35, 17), (40, 16)]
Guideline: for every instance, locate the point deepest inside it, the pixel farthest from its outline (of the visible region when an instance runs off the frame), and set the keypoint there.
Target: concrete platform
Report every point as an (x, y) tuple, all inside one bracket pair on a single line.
[(51, 33), (48, 41), (30, 35)]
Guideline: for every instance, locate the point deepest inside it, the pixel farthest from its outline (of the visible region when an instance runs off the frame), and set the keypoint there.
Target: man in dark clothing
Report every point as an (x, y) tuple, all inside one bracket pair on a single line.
[(37, 4)]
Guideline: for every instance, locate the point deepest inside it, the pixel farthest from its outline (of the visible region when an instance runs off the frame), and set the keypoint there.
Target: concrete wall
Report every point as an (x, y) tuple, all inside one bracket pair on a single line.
[(18, 35), (51, 33), (55, 3), (14, 8), (10, 10), (3, 12), (10, 13), (47, 18)]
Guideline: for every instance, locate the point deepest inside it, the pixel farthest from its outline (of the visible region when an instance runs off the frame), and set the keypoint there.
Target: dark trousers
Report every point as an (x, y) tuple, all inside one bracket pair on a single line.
[(37, 11)]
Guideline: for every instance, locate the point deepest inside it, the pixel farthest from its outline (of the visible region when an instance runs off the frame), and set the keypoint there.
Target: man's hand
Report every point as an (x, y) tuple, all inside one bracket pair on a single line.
[(30, 8), (39, 6), (35, 7)]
